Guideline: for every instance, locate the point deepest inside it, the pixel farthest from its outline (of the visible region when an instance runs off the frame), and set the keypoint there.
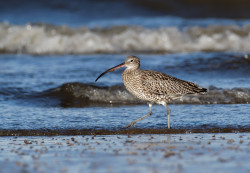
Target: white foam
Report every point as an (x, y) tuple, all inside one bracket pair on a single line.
[(43, 39)]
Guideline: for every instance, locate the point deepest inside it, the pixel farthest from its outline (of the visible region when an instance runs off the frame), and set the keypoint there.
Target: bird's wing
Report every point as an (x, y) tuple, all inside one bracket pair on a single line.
[(163, 84)]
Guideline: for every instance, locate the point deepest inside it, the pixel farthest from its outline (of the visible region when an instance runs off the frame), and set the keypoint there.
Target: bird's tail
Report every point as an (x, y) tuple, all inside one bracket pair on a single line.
[(203, 90)]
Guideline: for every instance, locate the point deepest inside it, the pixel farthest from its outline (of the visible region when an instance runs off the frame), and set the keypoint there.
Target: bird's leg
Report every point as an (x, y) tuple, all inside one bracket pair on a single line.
[(135, 121), (168, 112)]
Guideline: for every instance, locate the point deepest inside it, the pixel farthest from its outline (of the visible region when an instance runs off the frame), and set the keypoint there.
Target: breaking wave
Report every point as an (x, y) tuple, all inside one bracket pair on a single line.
[(50, 39), (78, 94)]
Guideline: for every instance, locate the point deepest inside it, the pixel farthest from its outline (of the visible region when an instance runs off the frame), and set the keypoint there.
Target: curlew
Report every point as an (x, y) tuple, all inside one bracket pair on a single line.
[(152, 86)]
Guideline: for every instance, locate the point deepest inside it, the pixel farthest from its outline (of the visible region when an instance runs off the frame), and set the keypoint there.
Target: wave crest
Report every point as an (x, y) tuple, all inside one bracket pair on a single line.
[(78, 94), (50, 39)]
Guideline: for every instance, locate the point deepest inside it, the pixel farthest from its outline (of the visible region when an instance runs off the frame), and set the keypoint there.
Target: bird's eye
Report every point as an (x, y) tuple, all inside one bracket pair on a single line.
[(131, 60)]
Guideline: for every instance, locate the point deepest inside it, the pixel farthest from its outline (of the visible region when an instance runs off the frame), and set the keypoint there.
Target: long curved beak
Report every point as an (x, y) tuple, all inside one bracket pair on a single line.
[(111, 69)]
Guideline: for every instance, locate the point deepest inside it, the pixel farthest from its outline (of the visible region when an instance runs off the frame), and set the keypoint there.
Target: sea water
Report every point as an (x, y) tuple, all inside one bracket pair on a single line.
[(52, 51)]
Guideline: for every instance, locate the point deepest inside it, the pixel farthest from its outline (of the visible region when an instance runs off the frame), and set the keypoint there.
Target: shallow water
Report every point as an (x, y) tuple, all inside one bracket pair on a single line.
[(234, 117), (39, 92)]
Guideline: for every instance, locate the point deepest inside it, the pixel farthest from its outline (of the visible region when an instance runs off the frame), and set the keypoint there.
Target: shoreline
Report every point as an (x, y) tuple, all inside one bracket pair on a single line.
[(119, 131)]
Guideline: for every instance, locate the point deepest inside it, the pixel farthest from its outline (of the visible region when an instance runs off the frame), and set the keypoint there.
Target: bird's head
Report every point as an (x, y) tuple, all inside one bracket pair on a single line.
[(132, 62)]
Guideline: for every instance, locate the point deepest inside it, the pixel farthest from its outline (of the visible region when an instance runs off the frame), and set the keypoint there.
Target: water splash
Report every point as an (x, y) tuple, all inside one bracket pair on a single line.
[(49, 39)]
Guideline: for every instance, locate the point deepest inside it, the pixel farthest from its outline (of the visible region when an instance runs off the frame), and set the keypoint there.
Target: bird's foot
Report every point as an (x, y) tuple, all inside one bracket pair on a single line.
[(132, 124)]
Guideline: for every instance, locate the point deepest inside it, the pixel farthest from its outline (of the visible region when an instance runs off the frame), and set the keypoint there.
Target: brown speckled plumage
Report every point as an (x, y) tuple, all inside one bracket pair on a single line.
[(153, 86)]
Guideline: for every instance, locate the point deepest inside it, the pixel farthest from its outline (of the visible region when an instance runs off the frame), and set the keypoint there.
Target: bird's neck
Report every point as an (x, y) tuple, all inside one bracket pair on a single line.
[(132, 70)]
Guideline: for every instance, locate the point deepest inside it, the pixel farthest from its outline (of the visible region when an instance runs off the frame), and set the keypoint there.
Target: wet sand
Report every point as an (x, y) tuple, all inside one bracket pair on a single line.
[(122, 131), (195, 152)]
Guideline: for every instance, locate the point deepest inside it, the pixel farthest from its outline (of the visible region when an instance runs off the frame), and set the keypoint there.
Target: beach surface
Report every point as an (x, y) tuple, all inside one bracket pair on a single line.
[(197, 152)]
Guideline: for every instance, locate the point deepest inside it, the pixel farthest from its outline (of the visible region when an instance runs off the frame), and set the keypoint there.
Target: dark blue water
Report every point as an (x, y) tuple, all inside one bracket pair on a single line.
[(52, 52), (110, 12)]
